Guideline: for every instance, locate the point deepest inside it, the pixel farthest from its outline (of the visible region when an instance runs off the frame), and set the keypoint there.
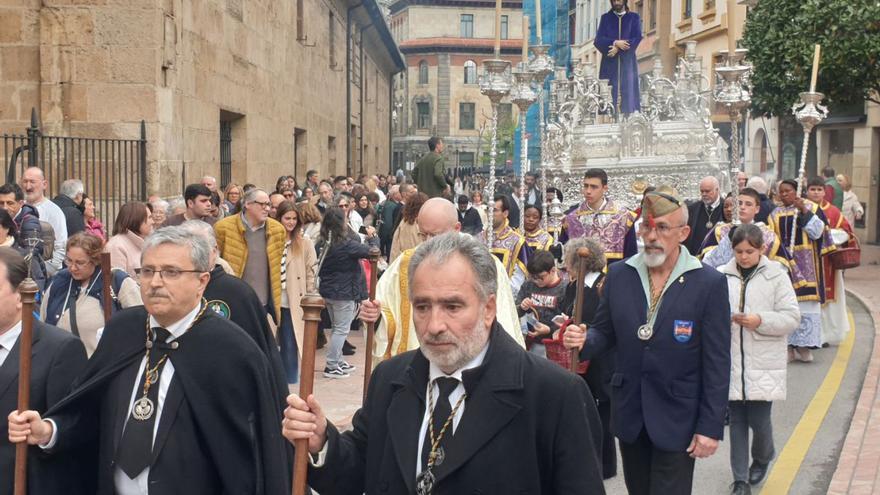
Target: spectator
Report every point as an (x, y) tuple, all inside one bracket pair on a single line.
[(372, 186), (297, 279), (388, 210), (325, 196), (470, 220), (852, 209), (7, 229), (275, 199), (345, 201), (307, 194), (365, 210), (231, 199), (407, 234), (765, 311), (177, 207), (69, 199), (342, 283), (160, 212), (210, 183), (133, 224), (477, 204), (216, 211), (34, 184), (760, 185), (312, 181), (25, 216), (833, 191), (430, 171), (93, 225), (310, 217), (74, 299), (253, 245), (539, 300), (198, 206)]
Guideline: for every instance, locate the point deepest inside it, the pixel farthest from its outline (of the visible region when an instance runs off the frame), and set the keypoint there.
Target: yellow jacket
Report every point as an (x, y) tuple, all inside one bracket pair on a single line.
[(233, 249)]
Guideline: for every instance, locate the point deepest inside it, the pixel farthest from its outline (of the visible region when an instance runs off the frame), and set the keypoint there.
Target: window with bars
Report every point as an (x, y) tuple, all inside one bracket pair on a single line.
[(225, 152), (466, 113)]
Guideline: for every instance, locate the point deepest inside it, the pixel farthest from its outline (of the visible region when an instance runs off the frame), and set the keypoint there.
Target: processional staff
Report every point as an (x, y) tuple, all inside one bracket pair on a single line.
[(107, 295), (582, 254), (312, 305), (28, 291), (371, 326)]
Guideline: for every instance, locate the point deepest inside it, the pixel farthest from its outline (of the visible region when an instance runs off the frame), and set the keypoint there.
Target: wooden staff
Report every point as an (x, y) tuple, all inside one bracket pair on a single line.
[(371, 327), (582, 254), (312, 305), (107, 276), (28, 290)]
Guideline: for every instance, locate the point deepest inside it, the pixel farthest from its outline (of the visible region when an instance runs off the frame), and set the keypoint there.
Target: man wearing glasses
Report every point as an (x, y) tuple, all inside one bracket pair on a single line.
[(176, 399), (668, 317), (253, 243)]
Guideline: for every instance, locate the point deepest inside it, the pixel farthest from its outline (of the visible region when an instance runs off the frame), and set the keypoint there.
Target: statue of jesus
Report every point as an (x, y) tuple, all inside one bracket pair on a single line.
[(617, 38)]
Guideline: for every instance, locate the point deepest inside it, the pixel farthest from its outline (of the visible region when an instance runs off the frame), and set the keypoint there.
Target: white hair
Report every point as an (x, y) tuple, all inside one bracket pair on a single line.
[(758, 184), (71, 188)]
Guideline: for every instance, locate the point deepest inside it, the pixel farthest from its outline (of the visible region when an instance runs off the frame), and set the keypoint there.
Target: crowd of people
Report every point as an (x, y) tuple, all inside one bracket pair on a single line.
[(694, 312)]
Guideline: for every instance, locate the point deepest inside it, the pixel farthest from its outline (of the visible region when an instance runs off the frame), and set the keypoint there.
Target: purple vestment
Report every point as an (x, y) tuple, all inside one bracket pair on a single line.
[(611, 28)]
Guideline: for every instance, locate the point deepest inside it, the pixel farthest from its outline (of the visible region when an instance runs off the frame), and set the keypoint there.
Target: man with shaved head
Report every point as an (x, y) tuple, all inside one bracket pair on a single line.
[(34, 184), (395, 332), (704, 214)]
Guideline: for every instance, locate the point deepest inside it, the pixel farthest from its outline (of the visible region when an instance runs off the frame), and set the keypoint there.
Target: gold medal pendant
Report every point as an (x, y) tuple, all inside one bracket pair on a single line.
[(708, 225), (143, 409), (425, 482), (645, 331)]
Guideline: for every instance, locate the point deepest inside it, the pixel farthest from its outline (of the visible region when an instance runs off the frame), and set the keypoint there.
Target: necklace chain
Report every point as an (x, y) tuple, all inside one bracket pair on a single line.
[(655, 299), (435, 441), (148, 373)]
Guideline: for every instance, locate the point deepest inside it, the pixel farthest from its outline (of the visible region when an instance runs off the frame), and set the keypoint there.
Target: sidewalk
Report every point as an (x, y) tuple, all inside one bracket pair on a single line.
[(858, 469)]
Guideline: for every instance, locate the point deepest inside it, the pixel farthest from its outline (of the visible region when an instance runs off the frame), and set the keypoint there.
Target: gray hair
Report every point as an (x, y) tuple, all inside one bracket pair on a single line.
[(199, 249), (758, 184), (251, 195), (161, 204), (71, 188), (440, 248), (201, 228), (595, 260)]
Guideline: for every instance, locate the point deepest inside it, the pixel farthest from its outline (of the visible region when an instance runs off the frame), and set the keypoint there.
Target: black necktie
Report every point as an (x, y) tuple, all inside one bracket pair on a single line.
[(441, 413), (709, 211), (136, 447)]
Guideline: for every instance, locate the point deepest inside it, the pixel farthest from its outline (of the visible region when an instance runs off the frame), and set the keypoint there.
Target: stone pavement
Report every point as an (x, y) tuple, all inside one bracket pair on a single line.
[(858, 470)]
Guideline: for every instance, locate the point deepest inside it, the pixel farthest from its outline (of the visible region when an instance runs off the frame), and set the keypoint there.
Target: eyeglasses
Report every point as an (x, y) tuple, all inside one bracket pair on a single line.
[(76, 263), (344, 205), (539, 277), (165, 274), (263, 204), (661, 229)]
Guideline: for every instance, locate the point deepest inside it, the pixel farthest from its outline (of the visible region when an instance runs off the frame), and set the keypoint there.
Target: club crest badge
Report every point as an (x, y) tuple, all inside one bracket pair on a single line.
[(683, 331), (220, 307)]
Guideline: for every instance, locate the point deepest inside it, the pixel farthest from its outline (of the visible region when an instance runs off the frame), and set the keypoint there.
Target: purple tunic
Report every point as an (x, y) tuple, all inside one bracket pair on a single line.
[(611, 28)]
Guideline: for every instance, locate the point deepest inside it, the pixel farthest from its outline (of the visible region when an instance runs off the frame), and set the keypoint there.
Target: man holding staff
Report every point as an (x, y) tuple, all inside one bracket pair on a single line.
[(465, 412), (670, 387), (57, 358)]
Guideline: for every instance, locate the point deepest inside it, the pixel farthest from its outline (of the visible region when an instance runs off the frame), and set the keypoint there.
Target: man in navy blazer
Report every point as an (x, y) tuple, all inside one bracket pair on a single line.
[(668, 317)]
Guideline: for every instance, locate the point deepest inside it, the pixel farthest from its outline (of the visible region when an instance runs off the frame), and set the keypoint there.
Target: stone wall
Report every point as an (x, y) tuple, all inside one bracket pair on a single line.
[(96, 69)]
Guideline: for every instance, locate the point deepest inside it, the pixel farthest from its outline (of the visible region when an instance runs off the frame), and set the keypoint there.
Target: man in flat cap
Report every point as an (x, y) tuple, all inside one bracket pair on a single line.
[(669, 391)]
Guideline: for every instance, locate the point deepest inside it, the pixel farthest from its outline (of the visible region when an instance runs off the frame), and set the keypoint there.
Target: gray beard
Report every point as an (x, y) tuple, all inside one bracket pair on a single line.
[(654, 260)]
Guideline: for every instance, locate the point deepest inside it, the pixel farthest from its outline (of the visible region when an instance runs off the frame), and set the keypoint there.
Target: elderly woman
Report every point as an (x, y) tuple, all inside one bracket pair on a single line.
[(132, 225), (852, 209), (601, 369), (74, 300), (160, 212)]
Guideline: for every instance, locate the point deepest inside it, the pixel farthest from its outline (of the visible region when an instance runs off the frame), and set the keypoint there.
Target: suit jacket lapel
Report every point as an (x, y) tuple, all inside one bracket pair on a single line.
[(9, 370), (404, 417), (669, 301), (169, 412), (124, 385)]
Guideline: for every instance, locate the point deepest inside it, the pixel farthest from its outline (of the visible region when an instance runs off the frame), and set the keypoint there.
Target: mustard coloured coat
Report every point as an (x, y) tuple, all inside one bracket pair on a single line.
[(233, 249)]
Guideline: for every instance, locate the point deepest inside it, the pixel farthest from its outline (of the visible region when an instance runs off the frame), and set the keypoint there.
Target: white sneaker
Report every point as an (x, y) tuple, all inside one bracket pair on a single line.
[(345, 367), (335, 373)]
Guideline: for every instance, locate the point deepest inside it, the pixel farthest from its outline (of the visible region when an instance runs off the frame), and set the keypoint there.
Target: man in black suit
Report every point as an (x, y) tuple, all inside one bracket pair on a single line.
[(56, 358), (704, 214), (175, 399), (468, 412)]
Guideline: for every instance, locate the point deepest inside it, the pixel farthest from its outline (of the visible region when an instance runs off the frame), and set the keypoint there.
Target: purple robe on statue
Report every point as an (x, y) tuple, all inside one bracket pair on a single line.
[(626, 27)]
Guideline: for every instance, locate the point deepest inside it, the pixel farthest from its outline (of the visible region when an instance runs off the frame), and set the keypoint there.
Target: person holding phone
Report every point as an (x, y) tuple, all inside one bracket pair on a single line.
[(764, 311)]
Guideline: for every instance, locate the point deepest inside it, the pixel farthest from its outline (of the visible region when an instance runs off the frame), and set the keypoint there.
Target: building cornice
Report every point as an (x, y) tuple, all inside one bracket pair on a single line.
[(400, 5), (460, 45)]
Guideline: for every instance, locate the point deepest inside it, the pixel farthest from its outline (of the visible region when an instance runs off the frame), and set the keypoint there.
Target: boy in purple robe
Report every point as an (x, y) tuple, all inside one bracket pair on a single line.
[(618, 37)]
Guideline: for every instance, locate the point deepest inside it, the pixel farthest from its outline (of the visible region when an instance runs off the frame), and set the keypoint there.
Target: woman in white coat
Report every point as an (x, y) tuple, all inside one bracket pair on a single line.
[(765, 310)]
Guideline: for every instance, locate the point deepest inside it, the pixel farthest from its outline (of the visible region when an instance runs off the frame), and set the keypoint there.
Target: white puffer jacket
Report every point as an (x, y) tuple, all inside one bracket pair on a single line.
[(759, 358)]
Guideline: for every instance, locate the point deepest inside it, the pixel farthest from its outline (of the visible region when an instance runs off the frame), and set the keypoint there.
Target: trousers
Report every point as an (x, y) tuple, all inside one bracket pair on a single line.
[(754, 414), (648, 470)]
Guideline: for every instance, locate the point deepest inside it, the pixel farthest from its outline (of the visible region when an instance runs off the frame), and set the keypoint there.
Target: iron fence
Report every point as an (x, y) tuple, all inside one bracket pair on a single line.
[(113, 171)]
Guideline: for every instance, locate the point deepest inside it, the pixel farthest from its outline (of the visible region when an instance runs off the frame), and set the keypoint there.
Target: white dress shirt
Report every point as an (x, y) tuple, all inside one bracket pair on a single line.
[(139, 486), (8, 340)]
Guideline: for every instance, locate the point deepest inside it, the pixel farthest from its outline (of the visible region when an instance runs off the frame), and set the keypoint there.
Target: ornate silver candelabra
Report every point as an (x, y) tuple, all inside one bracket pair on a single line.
[(541, 66), (523, 95), (809, 111), (495, 82), (732, 94)]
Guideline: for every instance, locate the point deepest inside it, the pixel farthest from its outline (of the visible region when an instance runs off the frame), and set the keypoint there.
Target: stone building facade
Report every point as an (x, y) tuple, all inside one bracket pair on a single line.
[(445, 43), (283, 87)]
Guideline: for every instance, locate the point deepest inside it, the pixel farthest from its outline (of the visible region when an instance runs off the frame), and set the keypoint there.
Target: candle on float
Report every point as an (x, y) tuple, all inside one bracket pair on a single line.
[(815, 68), (731, 29), (497, 29), (538, 20), (525, 38)]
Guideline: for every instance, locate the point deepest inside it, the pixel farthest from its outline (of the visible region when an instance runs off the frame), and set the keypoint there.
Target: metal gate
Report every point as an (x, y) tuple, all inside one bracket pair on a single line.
[(113, 171)]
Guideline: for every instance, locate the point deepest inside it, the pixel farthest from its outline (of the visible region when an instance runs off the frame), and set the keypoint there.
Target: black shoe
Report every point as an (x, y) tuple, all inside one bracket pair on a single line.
[(348, 349), (322, 340), (757, 472), (740, 488)]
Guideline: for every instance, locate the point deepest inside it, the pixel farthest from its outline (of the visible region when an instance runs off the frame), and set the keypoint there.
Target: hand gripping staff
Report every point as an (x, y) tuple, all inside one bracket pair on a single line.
[(371, 327), (28, 290)]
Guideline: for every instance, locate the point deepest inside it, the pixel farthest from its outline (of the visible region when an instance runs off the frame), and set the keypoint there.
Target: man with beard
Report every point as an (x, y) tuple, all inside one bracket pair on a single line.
[(704, 214), (670, 385), (175, 399), (468, 412)]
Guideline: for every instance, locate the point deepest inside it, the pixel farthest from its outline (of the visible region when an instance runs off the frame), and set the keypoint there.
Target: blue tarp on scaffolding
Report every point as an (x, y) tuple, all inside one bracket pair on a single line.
[(554, 27)]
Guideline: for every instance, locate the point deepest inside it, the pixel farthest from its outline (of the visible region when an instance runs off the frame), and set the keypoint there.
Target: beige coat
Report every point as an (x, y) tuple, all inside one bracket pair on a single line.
[(405, 237), (125, 251), (300, 281)]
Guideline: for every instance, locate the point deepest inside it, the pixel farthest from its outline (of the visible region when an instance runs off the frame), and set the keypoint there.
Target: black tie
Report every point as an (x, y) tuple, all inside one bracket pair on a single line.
[(441, 413), (709, 211), (136, 447)]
